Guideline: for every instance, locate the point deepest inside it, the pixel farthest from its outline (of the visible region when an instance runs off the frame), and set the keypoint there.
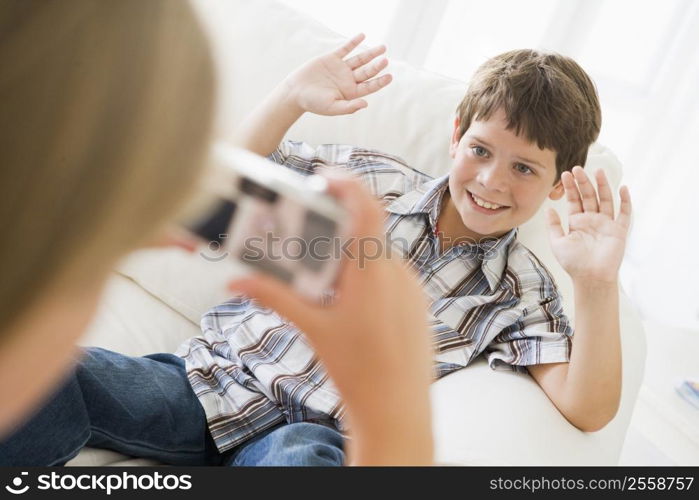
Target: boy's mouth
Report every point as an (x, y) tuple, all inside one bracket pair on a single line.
[(485, 206)]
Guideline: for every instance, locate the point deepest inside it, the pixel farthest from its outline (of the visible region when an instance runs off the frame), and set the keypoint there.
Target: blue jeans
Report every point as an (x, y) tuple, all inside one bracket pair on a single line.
[(145, 407)]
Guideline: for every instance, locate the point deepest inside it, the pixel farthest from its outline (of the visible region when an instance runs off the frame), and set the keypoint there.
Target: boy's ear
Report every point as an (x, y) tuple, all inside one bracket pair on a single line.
[(454, 143), (557, 191)]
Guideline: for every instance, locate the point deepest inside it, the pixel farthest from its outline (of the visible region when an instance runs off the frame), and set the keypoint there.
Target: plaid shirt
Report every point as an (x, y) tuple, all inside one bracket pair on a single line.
[(251, 369)]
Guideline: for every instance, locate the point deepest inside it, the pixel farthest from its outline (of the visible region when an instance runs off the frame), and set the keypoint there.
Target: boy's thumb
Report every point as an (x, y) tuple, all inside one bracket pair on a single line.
[(554, 223), (348, 107), (358, 104)]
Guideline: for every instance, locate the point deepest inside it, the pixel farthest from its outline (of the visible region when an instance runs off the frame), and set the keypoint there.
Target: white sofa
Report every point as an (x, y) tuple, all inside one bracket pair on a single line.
[(480, 416)]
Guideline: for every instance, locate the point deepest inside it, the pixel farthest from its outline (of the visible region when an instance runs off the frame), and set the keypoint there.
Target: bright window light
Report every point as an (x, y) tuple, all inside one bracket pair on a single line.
[(628, 53), (370, 17), (473, 31)]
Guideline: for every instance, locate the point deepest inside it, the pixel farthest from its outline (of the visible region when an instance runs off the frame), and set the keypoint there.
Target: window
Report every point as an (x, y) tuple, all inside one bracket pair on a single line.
[(371, 17), (472, 31)]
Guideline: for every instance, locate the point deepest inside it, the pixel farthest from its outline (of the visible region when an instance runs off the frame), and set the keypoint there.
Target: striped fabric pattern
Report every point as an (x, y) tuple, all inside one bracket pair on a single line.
[(251, 369)]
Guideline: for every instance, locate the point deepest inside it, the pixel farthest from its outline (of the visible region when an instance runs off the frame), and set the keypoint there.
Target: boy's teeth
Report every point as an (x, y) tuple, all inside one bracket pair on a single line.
[(483, 203)]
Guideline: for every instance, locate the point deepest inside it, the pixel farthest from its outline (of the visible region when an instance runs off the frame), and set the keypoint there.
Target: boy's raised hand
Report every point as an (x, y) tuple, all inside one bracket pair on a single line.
[(593, 248), (334, 84)]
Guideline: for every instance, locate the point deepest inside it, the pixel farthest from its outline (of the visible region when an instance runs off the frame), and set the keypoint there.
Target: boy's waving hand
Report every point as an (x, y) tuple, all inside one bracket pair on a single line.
[(587, 390), (333, 84), (330, 84), (594, 246)]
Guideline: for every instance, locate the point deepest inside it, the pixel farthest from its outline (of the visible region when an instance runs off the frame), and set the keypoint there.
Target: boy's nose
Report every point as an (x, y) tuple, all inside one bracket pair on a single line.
[(493, 177)]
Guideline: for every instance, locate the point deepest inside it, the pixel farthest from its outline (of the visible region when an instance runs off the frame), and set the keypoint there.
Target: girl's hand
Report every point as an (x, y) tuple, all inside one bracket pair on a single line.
[(373, 339)]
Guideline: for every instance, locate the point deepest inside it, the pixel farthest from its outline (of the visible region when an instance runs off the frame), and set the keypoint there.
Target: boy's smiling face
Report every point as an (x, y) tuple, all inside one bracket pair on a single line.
[(498, 180)]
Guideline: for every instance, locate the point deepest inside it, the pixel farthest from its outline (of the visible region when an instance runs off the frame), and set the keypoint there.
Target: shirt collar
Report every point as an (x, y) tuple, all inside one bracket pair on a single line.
[(493, 254), (427, 199)]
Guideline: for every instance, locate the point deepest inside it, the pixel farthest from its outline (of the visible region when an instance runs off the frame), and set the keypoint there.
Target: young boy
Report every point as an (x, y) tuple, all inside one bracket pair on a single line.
[(521, 135)]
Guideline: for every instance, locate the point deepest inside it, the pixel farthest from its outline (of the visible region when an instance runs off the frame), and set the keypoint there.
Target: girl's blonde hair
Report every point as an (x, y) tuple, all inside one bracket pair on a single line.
[(105, 115)]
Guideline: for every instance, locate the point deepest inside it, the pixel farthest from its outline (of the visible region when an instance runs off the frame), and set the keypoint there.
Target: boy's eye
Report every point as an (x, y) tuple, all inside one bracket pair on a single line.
[(479, 151), (523, 169)]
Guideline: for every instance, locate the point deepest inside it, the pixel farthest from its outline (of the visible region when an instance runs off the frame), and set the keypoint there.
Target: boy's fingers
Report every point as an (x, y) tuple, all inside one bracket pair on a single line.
[(624, 217), (587, 190), (349, 46), (346, 107), (606, 202), (572, 193), (274, 294), (554, 224), (370, 70), (362, 58), (371, 86)]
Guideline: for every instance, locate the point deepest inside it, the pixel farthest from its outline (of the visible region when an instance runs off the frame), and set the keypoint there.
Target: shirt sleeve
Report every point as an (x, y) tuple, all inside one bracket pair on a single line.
[(305, 158), (542, 334), (385, 176)]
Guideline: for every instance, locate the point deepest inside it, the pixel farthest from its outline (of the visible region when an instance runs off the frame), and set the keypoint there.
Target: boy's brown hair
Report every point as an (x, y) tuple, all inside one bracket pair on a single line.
[(548, 98)]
